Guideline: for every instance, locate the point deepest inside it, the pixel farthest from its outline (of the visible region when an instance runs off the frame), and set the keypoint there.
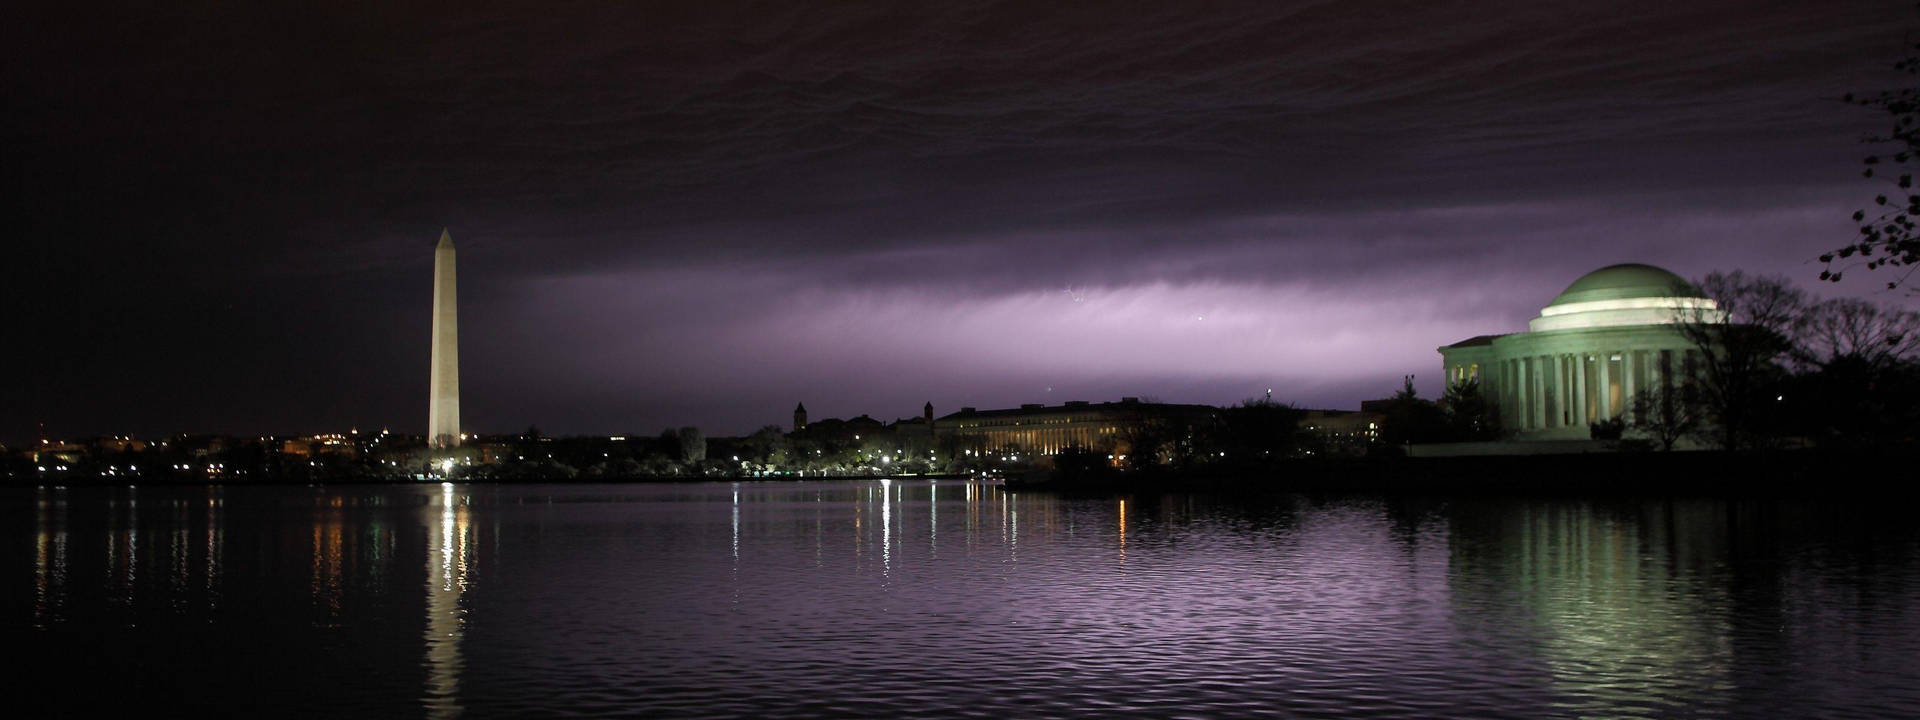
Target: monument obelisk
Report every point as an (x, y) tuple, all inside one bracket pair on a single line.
[(443, 399)]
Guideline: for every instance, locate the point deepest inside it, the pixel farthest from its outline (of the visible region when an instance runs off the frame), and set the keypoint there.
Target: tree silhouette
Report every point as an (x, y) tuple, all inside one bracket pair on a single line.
[(1857, 385), (1888, 235), (1740, 348), (1666, 414), (1857, 331), (693, 446), (1470, 415), (1410, 419), (1255, 428)]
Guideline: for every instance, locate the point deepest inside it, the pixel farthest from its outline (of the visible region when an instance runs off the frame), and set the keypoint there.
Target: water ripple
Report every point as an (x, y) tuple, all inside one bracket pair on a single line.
[(787, 600)]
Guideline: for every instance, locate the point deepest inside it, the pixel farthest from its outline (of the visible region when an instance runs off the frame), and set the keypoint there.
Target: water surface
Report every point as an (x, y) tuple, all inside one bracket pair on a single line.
[(950, 599)]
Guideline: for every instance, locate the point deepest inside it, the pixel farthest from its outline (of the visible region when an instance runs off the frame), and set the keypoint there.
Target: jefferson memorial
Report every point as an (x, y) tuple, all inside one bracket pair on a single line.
[(1608, 337)]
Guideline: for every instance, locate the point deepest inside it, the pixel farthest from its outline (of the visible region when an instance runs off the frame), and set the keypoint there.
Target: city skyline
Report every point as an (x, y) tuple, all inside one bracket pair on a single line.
[(701, 217)]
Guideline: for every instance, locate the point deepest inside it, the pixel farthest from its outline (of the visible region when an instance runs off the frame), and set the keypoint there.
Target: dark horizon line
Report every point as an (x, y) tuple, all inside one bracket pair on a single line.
[(388, 428)]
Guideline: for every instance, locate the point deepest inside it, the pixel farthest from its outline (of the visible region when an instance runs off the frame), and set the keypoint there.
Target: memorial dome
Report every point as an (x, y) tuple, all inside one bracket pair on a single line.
[(1626, 280), (1625, 294)]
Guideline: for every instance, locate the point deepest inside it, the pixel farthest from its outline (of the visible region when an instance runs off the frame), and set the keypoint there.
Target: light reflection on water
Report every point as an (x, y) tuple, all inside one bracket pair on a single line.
[(448, 555), (954, 599)]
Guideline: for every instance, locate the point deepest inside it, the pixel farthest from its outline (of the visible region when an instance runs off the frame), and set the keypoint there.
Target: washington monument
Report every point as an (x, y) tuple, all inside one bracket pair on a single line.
[(443, 398)]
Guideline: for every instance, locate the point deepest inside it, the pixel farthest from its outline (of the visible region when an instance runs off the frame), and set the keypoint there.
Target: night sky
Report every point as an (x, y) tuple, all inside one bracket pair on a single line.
[(220, 217)]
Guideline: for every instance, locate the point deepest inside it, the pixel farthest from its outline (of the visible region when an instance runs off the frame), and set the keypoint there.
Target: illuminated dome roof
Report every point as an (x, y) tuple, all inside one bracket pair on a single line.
[(1623, 295), (1627, 280)]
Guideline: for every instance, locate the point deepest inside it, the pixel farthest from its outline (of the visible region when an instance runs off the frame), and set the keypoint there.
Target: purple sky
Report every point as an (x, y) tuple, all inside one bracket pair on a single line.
[(222, 218)]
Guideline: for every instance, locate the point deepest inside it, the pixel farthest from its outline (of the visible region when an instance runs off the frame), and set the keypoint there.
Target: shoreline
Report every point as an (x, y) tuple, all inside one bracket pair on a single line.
[(1802, 472), (621, 480), (1717, 473)]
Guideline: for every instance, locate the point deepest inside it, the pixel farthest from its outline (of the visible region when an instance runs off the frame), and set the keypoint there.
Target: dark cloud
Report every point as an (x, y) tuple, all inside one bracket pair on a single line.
[(686, 212)]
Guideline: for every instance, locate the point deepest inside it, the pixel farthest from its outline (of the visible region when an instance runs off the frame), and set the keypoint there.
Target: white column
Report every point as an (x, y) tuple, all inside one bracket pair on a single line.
[(1604, 399), (1547, 400), (1580, 389), (1533, 394), (1511, 406), (1521, 398), (1513, 394), (1523, 374), (1564, 377), (1517, 396), (1545, 373), (1531, 371), (1629, 381), (1569, 417), (1567, 400), (1661, 375)]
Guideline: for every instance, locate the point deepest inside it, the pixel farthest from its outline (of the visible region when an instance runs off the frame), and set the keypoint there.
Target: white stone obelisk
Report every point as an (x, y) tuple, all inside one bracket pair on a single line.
[(443, 400)]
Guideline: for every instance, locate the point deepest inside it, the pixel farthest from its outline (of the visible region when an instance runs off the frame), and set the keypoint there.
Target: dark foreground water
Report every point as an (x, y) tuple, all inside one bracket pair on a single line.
[(912, 598)]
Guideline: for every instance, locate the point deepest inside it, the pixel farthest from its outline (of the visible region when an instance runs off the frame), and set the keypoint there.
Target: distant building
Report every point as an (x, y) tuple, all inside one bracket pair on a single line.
[(313, 445), (59, 450), (119, 444), (203, 446), (835, 431), (1609, 336), (1343, 432), (915, 430), (1046, 430), (799, 417), (1378, 407), (493, 452)]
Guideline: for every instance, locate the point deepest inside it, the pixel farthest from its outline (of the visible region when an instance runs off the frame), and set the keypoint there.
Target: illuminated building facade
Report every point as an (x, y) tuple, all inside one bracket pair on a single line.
[(1608, 337), (327, 444), (1343, 432), (1046, 430)]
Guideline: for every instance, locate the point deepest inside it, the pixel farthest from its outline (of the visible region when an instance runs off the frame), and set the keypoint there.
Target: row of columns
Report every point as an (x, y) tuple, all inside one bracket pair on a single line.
[(1543, 392), (1045, 440)]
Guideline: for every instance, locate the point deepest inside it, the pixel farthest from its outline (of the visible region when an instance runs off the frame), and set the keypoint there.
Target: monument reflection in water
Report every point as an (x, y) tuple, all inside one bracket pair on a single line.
[(908, 596), (447, 557)]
